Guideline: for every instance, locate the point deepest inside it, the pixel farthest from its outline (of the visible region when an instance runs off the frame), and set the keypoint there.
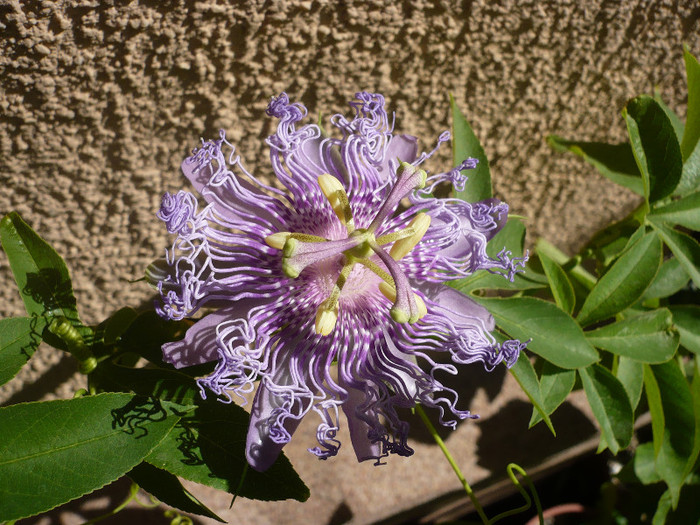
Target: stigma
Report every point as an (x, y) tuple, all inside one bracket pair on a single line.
[(361, 246)]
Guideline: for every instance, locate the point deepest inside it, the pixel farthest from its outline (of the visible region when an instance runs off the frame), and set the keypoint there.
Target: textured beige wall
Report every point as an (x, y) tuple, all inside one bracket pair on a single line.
[(100, 101)]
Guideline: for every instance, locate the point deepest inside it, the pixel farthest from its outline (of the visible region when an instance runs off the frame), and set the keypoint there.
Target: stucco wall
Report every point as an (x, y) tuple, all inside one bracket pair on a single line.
[(100, 101)]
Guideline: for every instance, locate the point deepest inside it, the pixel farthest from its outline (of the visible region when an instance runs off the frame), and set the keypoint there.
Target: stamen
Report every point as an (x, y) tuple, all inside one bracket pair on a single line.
[(405, 308), (402, 247), (327, 313), (338, 199), (390, 293), (279, 239), (408, 178)]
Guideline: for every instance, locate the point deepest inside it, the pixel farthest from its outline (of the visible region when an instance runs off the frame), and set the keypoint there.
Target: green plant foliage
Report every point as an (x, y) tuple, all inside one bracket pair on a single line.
[(630, 373), (559, 284), (167, 488), (684, 212), (684, 247), (555, 385), (648, 337), (613, 161), (655, 147), (465, 144), (625, 282), (207, 446), (118, 323), (671, 278), (691, 136), (19, 337), (679, 426), (687, 320), (56, 451), (555, 335), (525, 375), (611, 406)]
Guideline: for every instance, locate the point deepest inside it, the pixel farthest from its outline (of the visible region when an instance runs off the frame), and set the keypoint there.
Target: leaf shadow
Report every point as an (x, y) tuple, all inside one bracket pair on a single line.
[(140, 410)]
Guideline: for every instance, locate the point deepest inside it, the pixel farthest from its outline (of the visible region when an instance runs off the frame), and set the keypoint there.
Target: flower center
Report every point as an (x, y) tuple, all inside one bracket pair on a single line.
[(301, 250)]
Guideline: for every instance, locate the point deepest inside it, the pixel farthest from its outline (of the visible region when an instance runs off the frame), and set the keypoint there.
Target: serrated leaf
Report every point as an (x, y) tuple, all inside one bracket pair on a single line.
[(165, 487), (683, 212), (686, 317), (555, 385), (610, 405), (465, 144), (648, 337), (679, 427), (19, 337), (555, 335), (690, 176), (559, 284), (655, 147), (209, 448), (671, 278), (684, 247), (631, 374), (692, 120), (613, 161), (525, 375), (40, 273), (55, 451), (624, 283)]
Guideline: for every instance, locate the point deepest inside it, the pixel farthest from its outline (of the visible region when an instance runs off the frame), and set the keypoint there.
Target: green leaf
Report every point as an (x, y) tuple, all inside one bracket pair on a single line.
[(625, 282), (525, 375), (684, 212), (679, 427), (40, 273), (562, 289), (631, 374), (671, 278), (676, 122), (695, 393), (684, 247), (19, 337), (118, 323), (209, 448), (648, 337), (555, 335), (55, 451), (147, 333), (555, 385), (614, 161), (687, 320), (465, 145), (610, 406), (692, 120), (645, 464), (655, 147), (656, 409), (165, 487), (690, 177)]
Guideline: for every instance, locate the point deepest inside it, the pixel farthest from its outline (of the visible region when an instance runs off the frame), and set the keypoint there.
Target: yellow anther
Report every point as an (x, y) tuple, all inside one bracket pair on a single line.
[(407, 167), (390, 293), (277, 240), (326, 319), (402, 247), (338, 199)]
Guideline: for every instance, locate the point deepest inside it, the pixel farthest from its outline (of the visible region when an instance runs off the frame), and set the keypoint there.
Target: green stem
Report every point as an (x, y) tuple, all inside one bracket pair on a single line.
[(578, 272), (451, 461)]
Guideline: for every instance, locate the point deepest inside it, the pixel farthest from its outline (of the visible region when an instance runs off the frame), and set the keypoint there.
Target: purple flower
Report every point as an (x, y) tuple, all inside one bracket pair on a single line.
[(329, 272)]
